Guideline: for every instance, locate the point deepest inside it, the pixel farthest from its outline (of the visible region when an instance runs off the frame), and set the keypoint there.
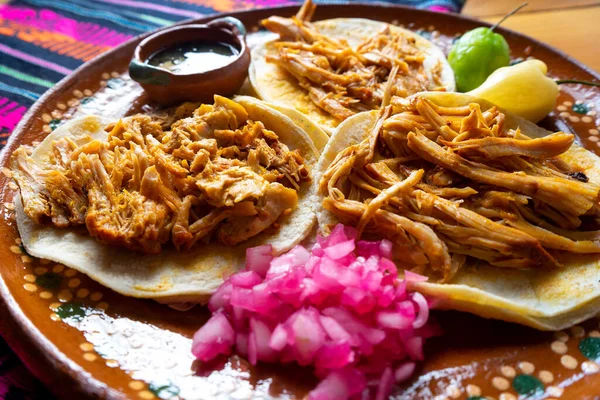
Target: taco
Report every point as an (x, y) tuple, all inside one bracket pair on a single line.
[(500, 214), (163, 209), (333, 69), (314, 131)]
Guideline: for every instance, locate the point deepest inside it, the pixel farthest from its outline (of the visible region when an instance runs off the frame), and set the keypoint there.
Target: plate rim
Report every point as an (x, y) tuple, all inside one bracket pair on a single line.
[(46, 362)]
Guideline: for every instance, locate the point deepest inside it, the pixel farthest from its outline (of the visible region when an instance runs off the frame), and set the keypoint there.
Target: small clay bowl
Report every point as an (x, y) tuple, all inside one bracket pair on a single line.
[(167, 87)]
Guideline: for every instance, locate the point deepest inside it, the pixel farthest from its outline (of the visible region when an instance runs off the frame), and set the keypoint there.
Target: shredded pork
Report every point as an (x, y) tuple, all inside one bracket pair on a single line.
[(341, 80), (212, 174), (450, 183)]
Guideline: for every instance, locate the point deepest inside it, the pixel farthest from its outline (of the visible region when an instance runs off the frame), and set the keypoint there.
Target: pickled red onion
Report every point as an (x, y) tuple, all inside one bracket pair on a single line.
[(340, 308)]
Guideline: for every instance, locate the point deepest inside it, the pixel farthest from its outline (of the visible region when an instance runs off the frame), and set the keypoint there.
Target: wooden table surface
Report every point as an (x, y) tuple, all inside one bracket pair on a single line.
[(572, 26)]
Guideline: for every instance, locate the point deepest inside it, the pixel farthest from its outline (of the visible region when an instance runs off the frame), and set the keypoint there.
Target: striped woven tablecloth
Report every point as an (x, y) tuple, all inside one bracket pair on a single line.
[(42, 41)]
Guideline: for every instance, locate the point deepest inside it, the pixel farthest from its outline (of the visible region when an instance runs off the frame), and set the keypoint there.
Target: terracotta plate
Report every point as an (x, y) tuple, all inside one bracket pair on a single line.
[(83, 340)]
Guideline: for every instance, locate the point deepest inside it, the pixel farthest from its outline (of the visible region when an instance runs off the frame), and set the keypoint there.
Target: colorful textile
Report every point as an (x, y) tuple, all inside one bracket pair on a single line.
[(16, 383), (42, 41)]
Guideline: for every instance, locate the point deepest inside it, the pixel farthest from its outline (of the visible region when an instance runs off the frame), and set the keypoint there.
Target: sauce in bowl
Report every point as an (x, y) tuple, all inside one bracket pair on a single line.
[(194, 57), (192, 62)]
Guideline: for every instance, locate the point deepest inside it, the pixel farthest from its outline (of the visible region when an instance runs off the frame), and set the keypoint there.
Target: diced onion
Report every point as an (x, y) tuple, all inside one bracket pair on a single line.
[(339, 385), (385, 384), (340, 250), (259, 258), (404, 371), (413, 277), (245, 279), (423, 314), (215, 337), (339, 307)]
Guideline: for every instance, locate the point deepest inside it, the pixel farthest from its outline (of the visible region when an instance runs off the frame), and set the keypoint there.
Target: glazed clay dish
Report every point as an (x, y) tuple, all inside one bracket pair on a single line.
[(168, 88), (317, 232)]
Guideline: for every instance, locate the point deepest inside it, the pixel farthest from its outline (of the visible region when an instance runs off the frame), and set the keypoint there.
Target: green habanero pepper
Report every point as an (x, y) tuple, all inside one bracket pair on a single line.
[(476, 55)]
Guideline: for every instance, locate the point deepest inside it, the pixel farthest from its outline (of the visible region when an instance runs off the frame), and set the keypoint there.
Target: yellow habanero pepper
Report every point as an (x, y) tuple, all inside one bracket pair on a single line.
[(522, 89)]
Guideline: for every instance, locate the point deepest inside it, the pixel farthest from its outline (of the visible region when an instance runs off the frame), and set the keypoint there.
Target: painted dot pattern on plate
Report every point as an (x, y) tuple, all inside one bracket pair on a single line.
[(559, 347), (590, 348), (526, 367), (500, 383), (528, 385), (589, 367), (569, 361), (546, 376), (473, 390), (508, 371), (67, 293)]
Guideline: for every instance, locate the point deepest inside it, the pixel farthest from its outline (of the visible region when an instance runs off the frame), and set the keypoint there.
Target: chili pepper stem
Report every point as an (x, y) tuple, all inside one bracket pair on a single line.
[(561, 81), (508, 15)]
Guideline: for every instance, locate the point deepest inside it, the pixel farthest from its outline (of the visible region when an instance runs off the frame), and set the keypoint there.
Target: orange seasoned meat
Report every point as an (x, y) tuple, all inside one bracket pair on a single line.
[(342, 80), (215, 174), (447, 183)]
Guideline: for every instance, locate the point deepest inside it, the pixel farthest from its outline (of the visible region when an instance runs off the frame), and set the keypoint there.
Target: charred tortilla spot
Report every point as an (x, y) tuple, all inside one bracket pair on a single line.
[(580, 176)]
